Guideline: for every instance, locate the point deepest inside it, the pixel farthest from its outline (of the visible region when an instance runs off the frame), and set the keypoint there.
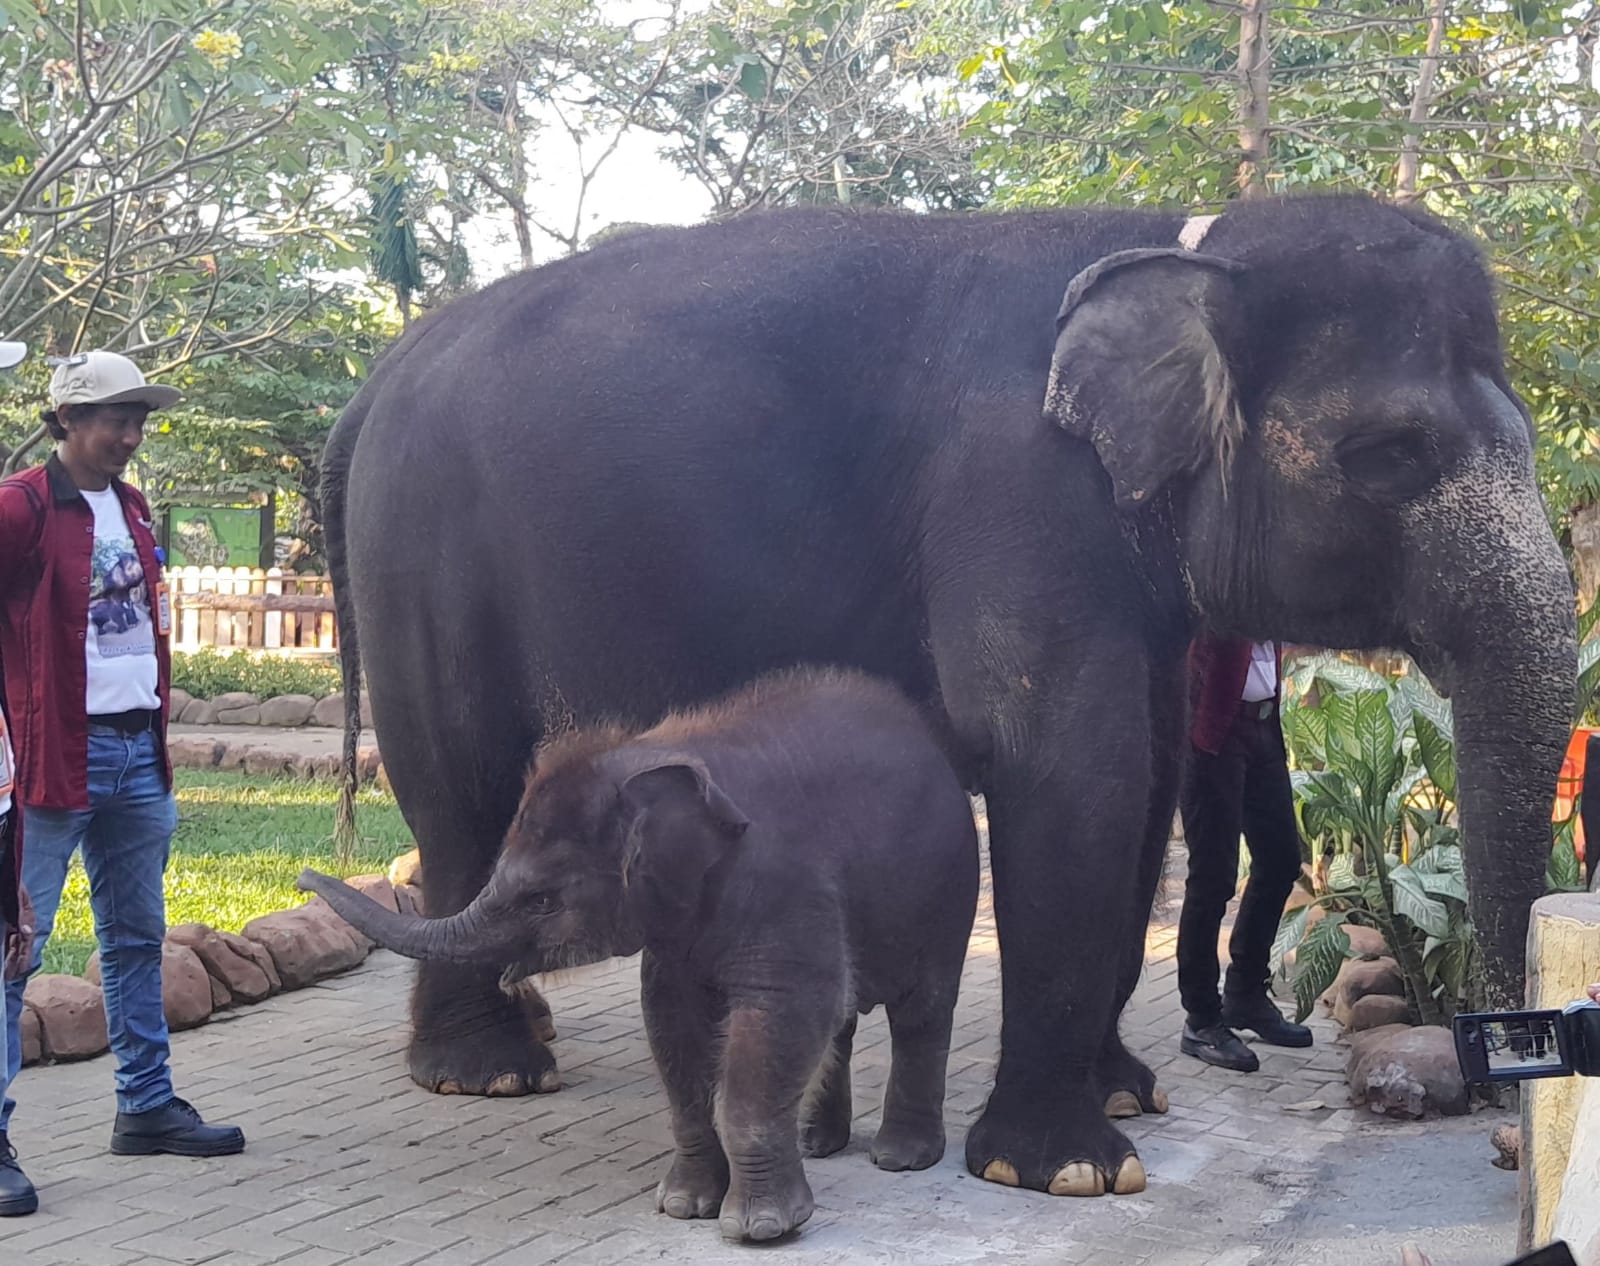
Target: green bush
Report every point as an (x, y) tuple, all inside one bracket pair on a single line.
[(241, 843), (205, 674)]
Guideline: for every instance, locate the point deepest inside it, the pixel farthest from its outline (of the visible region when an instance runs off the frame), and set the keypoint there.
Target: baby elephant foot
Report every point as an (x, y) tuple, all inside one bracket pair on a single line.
[(908, 1145), (766, 1211), (693, 1187), (823, 1136)]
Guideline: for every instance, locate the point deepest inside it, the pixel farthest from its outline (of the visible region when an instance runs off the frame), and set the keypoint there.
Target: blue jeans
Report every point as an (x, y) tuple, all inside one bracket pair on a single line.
[(5, 1043), (125, 834)]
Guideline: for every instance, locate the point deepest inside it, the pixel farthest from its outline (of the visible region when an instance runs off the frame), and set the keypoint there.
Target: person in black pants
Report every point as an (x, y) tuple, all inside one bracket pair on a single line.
[(1236, 778)]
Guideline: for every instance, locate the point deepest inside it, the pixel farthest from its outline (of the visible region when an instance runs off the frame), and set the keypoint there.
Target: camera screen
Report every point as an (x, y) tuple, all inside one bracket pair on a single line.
[(1522, 1044)]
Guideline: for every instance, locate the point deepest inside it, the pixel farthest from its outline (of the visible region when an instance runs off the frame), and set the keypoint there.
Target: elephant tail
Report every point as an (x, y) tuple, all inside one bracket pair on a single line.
[(336, 458)]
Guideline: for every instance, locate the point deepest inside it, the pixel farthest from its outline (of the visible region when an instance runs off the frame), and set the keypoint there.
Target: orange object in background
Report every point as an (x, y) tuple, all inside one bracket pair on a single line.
[(1570, 783)]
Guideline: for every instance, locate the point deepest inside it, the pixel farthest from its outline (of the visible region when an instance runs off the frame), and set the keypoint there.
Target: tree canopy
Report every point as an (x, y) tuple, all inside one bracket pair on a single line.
[(252, 196)]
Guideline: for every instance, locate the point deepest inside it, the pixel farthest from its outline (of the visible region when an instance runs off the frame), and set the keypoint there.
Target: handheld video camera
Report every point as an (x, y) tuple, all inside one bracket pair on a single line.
[(1494, 1046)]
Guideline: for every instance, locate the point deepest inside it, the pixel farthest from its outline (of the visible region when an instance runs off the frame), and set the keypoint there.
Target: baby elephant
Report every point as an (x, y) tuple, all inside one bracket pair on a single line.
[(788, 858)]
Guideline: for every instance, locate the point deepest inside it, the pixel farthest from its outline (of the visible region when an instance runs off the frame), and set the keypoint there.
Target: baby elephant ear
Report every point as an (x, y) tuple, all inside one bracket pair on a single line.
[(1140, 371), (684, 784)]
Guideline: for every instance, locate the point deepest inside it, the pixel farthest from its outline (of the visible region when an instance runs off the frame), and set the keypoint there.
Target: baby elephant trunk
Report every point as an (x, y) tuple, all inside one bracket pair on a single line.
[(473, 936)]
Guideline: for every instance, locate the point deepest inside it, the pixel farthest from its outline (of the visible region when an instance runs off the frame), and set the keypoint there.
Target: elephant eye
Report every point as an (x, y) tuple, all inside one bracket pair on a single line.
[(1399, 462), (542, 902)]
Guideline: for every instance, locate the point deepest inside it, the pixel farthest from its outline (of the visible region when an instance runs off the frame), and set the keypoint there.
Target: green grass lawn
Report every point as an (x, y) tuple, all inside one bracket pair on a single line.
[(240, 844)]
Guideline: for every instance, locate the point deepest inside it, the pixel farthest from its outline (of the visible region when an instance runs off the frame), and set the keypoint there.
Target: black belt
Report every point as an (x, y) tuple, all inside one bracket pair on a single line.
[(1258, 709), (133, 721)]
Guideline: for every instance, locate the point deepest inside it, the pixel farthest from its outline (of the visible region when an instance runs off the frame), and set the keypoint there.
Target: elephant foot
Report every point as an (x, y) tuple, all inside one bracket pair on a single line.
[(468, 1037), (533, 1005), (1061, 1144), (497, 1063), (693, 1187), (769, 1210), (902, 1145), (1128, 1085), (824, 1135)]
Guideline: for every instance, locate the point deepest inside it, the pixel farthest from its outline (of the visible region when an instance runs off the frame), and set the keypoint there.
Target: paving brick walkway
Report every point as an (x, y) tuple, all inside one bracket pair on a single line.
[(349, 1162)]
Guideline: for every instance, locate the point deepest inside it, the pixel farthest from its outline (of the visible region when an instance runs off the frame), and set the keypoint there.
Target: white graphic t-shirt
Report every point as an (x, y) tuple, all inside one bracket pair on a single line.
[(8, 766), (1262, 682), (121, 642)]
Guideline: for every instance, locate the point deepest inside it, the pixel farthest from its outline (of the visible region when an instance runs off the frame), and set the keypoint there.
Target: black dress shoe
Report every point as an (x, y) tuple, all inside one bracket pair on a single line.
[(176, 1129), (1260, 1016), (1218, 1044), (17, 1195)]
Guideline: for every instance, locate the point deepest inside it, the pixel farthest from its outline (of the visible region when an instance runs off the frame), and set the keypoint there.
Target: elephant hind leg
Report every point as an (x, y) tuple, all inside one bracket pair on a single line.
[(1128, 1084)]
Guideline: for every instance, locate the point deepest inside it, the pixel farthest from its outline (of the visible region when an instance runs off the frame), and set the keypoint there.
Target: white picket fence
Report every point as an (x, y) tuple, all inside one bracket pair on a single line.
[(260, 609)]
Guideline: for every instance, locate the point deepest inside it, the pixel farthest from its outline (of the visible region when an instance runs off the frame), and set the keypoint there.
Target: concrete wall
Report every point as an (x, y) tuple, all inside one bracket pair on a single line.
[(1577, 1219), (1563, 959)]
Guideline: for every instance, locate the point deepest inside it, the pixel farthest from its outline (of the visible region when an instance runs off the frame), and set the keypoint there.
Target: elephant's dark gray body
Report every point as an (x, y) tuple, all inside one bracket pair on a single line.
[(640, 477)]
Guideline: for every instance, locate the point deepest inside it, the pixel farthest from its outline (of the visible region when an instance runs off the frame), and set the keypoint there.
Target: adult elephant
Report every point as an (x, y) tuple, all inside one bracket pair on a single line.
[(639, 477)]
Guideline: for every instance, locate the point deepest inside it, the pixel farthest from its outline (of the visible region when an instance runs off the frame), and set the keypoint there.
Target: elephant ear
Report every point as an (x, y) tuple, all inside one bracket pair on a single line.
[(684, 786), (683, 824), (1139, 368)]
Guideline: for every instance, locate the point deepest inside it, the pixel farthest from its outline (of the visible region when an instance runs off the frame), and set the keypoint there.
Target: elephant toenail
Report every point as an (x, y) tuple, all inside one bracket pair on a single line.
[(549, 1080), (1122, 1103), (505, 1085), (1130, 1178), (450, 1086), (1002, 1172), (1159, 1101), (1080, 1178)]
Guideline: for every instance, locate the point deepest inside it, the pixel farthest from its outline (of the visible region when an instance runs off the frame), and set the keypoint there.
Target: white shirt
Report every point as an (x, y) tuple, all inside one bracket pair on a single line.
[(8, 769), (1262, 682), (120, 648)]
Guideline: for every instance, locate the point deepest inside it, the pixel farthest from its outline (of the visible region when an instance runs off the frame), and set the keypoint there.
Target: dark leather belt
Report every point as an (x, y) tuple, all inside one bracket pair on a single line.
[(1258, 709), (133, 721)]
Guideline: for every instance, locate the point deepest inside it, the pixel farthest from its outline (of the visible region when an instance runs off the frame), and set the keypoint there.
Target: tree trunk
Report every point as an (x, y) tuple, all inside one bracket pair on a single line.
[(1588, 149), (519, 172), (1255, 69), (18, 457), (1586, 552), (1421, 103)]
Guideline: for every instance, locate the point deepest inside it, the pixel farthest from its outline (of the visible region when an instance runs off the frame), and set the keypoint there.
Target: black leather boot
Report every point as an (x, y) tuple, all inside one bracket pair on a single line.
[(1218, 1044), (1260, 1015), (176, 1129), (17, 1195)]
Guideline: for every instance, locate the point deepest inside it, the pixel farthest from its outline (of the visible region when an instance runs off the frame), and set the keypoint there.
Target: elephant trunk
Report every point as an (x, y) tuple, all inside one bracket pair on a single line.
[(481, 933), (1498, 632)]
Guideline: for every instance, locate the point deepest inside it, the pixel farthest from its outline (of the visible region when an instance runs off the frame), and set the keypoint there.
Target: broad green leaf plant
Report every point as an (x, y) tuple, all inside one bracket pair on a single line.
[(1374, 775)]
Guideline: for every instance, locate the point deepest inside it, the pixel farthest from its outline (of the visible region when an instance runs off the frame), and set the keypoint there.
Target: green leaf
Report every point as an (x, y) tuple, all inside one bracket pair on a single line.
[(1443, 884), (1413, 902), (1438, 754), (1317, 962), (1440, 859), (753, 80), (1564, 872), (1291, 930)]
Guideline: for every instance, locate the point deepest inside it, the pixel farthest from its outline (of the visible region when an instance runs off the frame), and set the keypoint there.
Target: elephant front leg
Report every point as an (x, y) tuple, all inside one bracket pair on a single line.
[(1064, 889), (680, 1027), (469, 1037), (767, 1064)]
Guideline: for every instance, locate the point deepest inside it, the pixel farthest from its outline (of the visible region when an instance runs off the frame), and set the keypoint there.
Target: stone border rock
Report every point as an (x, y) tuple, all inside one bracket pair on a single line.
[(204, 971), (262, 758), (289, 711)]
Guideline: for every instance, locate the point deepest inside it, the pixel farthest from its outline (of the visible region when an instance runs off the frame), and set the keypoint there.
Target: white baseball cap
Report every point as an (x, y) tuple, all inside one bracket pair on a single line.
[(11, 354), (106, 378)]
